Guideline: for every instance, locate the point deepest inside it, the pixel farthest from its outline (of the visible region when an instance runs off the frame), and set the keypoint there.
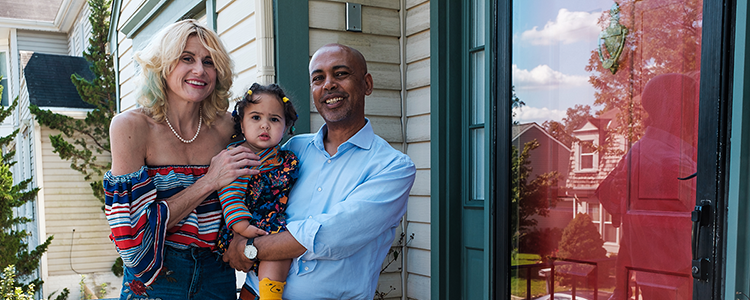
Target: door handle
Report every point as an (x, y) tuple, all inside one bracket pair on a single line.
[(688, 177), (701, 217)]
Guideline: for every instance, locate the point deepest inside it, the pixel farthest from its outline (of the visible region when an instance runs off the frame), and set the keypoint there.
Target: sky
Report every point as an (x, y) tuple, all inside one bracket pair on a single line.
[(552, 43)]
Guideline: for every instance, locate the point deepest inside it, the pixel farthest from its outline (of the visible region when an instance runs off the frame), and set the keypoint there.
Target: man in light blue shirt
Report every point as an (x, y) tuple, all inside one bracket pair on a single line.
[(351, 192)]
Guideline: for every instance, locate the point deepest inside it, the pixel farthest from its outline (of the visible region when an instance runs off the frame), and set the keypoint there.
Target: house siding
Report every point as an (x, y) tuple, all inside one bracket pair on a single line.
[(42, 41), (81, 243), (78, 39), (126, 64), (417, 49), (240, 26), (379, 43)]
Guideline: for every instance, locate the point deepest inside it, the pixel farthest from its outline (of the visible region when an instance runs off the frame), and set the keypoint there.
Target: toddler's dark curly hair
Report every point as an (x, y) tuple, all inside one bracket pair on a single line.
[(290, 114)]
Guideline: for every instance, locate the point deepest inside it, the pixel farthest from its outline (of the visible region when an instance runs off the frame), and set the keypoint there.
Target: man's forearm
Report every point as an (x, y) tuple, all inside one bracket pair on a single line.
[(278, 246)]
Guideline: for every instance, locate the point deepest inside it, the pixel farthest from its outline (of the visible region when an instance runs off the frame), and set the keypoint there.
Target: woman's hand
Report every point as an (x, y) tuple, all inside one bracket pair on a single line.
[(225, 167), (230, 164)]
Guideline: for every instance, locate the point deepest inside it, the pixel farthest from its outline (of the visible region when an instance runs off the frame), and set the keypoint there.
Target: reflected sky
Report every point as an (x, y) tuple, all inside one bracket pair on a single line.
[(552, 43)]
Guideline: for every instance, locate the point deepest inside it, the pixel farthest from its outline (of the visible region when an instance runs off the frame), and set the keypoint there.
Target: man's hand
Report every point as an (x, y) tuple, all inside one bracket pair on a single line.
[(235, 254)]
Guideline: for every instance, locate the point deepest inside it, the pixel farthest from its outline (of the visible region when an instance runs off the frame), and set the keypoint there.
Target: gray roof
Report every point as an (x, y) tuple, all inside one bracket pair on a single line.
[(37, 10), (48, 80)]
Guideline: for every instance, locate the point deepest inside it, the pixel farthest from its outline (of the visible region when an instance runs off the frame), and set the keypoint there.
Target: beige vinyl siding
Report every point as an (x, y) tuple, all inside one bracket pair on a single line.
[(379, 43), (417, 50), (127, 71), (125, 56), (43, 42), (78, 38), (69, 204), (236, 23)]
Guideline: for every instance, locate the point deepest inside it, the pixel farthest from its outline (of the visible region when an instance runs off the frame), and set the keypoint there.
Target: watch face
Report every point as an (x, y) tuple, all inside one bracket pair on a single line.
[(251, 252)]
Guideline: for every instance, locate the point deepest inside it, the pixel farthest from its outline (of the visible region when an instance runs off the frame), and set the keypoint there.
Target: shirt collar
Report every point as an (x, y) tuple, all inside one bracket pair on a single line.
[(362, 139)]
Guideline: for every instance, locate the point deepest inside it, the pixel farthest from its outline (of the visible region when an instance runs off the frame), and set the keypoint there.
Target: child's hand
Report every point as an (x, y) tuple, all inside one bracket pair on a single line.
[(244, 228)]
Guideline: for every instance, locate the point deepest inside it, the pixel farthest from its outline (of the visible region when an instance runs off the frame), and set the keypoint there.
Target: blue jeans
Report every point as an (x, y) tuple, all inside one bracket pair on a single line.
[(195, 273)]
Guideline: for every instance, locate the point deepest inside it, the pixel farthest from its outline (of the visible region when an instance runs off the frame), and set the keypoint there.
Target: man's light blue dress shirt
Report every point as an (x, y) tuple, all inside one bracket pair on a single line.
[(344, 209)]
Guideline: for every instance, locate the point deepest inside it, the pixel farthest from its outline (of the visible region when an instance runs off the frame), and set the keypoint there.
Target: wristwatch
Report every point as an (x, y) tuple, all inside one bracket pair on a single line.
[(250, 251)]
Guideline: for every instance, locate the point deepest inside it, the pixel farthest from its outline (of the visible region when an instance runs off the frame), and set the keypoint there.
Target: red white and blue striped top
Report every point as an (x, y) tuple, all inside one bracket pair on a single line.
[(138, 216)]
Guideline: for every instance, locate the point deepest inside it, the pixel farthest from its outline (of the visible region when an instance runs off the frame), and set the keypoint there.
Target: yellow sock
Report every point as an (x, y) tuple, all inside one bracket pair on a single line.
[(271, 290)]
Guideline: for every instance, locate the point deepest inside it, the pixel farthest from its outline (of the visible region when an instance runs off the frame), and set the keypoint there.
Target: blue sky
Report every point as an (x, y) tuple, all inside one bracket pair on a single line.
[(552, 42)]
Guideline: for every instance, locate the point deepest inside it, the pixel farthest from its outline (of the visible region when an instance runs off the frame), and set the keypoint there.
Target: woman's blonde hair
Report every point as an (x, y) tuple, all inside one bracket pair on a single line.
[(162, 54)]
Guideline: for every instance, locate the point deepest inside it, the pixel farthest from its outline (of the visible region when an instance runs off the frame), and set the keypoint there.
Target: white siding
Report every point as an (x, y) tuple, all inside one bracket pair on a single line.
[(417, 101), (43, 42), (126, 65), (78, 38), (66, 194), (237, 25), (379, 43)]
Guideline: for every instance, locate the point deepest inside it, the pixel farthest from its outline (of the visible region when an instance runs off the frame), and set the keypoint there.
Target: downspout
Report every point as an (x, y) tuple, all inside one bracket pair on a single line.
[(402, 44)]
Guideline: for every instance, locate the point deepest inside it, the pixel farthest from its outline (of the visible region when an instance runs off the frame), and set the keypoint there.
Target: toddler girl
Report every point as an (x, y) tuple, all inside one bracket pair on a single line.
[(255, 205)]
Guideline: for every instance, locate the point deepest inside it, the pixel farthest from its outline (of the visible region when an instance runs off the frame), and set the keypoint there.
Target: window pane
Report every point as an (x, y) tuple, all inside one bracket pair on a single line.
[(4, 82), (610, 92), (587, 161), (477, 24), (587, 147), (594, 211), (477, 163), (477, 90), (610, 233)]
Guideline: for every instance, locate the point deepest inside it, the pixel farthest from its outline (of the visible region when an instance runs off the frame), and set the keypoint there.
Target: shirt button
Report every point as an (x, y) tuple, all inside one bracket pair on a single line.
[(309, 217), (307, 268), (329, 161), (304, 261), (320, 189)]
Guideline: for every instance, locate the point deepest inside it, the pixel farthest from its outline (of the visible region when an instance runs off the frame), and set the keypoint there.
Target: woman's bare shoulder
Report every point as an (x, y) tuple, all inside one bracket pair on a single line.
[(131, 119), (224, 124), (129, 137)]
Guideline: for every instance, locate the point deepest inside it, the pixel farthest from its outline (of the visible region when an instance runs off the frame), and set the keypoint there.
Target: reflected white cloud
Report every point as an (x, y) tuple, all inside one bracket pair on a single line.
[(527, 114), (543, 76), (568, 27)]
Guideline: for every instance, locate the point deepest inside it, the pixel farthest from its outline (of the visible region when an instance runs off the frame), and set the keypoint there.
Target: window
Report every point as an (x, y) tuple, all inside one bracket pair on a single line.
[(476, 80), (4, 80), (586, 158)]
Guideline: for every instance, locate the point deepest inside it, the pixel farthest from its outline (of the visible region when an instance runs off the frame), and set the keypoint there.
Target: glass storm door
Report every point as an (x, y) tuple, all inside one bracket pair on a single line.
[(605, 148)]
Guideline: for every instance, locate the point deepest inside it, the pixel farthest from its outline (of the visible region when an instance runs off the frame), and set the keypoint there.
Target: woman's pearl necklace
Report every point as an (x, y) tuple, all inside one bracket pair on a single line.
[(200, 120)]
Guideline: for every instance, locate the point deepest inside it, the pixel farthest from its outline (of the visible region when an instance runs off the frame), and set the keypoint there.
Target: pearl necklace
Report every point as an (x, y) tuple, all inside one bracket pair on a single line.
[(200, 120)]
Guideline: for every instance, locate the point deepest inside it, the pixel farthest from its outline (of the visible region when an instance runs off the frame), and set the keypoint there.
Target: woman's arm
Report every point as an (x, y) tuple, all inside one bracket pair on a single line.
[(129, 134)]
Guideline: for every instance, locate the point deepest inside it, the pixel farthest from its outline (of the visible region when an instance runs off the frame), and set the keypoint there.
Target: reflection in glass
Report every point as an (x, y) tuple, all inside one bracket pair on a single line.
[(477, 91), (604, 150), (477, 23), (477, 163)]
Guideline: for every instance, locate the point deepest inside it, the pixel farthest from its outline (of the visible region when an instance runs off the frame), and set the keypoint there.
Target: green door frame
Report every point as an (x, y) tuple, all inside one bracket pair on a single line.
[(738, 239), (447, 59), (291, 32)]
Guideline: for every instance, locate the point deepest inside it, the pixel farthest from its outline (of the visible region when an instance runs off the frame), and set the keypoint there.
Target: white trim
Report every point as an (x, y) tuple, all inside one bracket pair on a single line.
[(265, 40), (75, 113), (41, 216), (64, 19), (594, 154), (15, 68), (68, 13), (144, 14)]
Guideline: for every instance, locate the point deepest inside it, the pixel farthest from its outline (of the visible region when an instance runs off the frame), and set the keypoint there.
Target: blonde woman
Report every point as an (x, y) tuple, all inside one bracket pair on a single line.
[(168, 161)]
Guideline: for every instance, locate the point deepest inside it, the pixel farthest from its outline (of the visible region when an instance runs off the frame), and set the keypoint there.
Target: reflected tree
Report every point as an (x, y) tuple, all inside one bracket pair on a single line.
[(529, 198), (662, 38)]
